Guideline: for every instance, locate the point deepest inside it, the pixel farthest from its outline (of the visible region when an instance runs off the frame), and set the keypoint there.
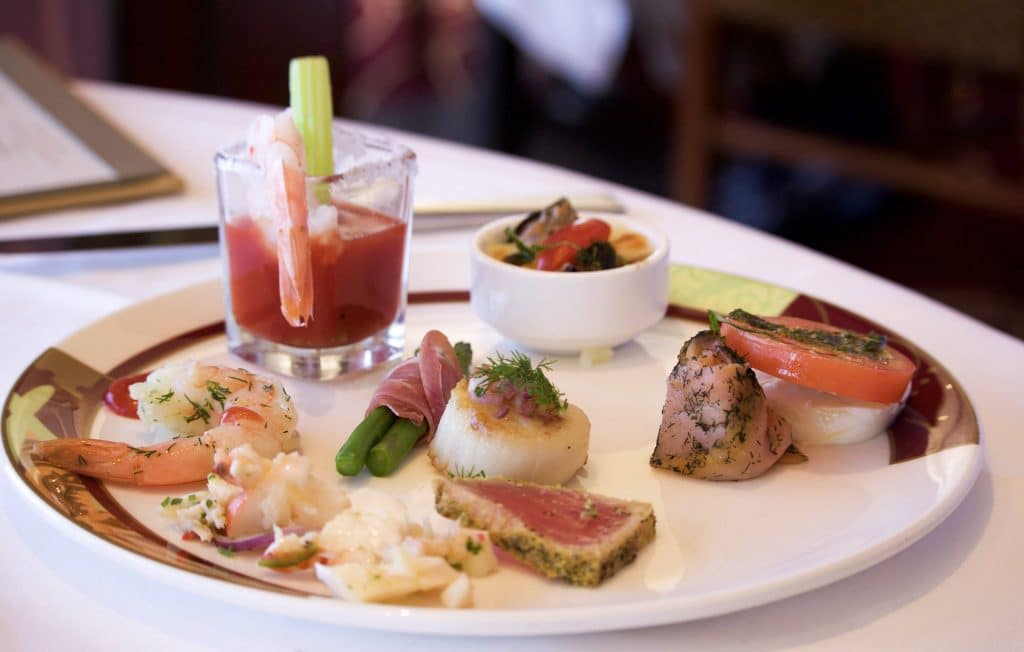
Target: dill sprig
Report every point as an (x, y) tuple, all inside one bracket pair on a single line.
[(519, 371), (471, 473), (217, 392), (201, 411), (524, 253)]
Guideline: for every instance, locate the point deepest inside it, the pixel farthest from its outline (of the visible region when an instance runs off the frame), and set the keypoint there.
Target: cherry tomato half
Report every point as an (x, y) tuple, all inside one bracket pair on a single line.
[(882, 380), (563, 244)]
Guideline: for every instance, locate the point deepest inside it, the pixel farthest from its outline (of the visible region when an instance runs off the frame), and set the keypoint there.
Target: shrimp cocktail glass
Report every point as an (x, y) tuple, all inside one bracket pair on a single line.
[(314, 230)]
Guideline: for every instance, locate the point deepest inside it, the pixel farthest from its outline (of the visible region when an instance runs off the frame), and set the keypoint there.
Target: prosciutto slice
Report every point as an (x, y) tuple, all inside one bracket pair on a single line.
[(419, 388), (439, 371)]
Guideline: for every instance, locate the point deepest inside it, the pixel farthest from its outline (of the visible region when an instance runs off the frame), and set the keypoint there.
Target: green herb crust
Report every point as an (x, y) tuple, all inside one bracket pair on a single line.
[(871, 346)]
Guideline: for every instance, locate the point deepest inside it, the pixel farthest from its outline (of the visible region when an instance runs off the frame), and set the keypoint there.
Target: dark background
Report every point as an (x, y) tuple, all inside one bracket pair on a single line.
[(925, 189)]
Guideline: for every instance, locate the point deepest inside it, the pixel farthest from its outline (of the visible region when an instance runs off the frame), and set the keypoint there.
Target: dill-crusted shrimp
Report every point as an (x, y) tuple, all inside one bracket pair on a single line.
[(206, 411), (187, 399)]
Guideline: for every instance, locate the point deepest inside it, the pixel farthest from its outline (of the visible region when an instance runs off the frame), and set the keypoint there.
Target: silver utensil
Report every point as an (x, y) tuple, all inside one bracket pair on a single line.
[(429, 217)]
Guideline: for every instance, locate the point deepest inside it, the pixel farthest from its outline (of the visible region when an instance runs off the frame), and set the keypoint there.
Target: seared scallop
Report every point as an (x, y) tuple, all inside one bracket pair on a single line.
[(479, 439)]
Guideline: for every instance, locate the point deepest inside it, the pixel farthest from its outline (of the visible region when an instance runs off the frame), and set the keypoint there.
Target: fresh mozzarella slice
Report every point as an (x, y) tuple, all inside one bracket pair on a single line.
[(822, 418)]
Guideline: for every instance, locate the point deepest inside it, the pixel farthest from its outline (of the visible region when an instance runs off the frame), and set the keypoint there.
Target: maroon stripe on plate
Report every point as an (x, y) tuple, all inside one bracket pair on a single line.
[(144, 359), (441, 296), (687, 313)]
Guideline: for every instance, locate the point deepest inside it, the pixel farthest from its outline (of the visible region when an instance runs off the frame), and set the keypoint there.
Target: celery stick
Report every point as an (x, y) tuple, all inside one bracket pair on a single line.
[(309, 85)]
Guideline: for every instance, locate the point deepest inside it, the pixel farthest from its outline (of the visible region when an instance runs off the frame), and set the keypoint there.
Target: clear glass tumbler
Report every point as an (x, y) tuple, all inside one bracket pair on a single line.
[(360, 222)]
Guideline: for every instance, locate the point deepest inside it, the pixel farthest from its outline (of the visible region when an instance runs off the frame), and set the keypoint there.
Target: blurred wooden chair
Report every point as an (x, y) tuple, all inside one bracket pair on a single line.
[(987, 34)]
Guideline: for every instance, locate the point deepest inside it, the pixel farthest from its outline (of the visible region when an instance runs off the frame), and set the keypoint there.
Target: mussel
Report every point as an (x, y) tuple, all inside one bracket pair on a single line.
[(538, 225)]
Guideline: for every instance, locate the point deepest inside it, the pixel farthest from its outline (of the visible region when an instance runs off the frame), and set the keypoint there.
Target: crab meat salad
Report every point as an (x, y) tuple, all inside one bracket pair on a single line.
[(833, 385), (507, 420), (378, 550), (365, 545)]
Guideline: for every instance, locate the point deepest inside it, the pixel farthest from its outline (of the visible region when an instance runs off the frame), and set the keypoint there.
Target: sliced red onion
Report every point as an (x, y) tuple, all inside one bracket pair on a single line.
[(505, 397), (254, 542), (525, 405)]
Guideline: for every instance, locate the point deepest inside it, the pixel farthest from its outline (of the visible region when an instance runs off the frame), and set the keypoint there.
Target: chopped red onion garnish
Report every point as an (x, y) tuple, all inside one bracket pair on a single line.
[(255, 542)]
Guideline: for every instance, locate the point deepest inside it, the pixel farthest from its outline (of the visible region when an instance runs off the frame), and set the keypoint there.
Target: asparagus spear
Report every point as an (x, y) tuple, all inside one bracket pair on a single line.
[(389, 452), (352, 455)]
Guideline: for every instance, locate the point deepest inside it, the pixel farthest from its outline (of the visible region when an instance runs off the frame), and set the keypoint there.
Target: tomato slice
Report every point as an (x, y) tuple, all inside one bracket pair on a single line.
[(562, 245), (881, 377)]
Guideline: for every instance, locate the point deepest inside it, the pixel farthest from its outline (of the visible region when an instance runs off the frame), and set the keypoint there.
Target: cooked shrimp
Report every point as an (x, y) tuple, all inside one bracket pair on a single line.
[(207, 410), (276, 145)]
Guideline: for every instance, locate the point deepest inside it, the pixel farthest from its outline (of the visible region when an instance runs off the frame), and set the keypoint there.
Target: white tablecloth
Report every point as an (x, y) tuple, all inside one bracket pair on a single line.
[(957, 588)]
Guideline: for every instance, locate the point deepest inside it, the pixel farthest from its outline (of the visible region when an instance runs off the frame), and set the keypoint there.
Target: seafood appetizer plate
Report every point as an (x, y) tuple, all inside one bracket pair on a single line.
[(719, 546)]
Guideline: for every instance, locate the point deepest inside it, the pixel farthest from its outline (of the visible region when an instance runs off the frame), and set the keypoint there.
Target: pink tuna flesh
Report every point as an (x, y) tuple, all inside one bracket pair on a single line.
[(561, 515)]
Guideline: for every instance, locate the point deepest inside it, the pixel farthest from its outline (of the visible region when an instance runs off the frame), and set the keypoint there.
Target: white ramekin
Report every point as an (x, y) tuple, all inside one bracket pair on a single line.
[(567, 312)]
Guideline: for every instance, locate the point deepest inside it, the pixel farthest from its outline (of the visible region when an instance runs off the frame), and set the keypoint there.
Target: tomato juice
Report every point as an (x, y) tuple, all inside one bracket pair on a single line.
[(357, 279)]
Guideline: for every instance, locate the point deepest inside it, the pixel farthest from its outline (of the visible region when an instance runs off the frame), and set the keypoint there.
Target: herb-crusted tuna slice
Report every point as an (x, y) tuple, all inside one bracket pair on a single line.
[(562, 533)]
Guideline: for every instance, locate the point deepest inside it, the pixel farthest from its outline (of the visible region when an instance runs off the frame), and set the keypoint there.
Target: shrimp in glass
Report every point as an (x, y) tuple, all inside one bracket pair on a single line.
[(275, 144), (206, 410)]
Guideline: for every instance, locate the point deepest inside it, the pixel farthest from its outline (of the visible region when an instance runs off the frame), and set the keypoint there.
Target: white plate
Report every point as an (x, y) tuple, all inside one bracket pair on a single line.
[(720, 547)]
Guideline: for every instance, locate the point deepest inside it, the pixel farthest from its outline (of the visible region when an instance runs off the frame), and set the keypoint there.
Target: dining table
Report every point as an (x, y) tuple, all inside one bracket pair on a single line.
[(958, 586)]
